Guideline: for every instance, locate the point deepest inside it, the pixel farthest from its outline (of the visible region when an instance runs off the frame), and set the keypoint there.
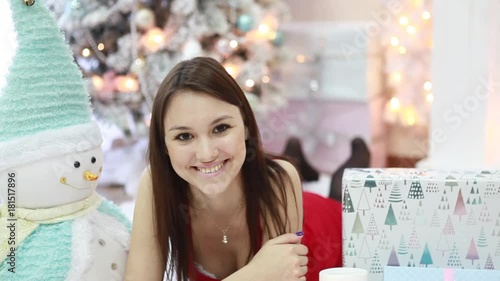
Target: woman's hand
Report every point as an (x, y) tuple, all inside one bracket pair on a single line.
[(281, 259)]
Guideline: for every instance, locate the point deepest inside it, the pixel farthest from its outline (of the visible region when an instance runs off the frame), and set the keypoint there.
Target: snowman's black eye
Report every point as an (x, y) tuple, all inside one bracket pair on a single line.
[(77, 164), (93, 160)]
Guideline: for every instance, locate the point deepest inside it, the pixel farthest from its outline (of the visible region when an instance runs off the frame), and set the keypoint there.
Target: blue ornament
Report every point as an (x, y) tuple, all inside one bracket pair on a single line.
[(244, 22), (278, 40)]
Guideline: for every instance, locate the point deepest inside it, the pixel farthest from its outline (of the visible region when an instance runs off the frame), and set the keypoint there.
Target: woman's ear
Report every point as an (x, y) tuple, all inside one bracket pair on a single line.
[(246, 133)]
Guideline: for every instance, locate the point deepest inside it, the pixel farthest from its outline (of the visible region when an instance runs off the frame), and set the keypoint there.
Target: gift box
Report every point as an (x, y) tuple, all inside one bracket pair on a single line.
[(420, 218), (392, 273)]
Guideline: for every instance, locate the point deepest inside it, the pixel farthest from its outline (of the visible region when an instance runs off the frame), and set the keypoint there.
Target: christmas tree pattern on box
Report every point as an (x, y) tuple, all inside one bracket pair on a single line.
[(421, 218)]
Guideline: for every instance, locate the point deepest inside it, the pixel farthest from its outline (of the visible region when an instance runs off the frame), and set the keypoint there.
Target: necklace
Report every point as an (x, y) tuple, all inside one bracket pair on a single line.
[(224, 230)]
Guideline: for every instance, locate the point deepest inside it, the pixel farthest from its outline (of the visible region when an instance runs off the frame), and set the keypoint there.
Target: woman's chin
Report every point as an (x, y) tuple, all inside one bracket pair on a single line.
[(213, 189)]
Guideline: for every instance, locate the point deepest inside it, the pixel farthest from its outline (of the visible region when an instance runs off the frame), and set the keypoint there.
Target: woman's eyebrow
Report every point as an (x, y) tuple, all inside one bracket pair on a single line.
[(217, 120)]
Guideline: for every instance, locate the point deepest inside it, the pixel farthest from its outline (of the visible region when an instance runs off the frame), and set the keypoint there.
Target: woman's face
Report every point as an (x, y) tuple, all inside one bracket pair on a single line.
[(205, 139)]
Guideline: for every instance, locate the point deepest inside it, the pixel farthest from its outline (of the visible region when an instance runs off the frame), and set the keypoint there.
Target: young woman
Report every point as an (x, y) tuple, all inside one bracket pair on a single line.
[(212, 205)]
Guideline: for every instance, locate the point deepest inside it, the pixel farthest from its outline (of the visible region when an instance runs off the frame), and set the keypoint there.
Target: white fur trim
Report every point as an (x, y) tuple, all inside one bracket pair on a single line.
[(85, 232), (8, 37), (113, 228), (81, 240), (48, 144)]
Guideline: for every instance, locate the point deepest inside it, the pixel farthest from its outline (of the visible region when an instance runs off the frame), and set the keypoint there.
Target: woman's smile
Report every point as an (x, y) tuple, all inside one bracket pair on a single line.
[(213, 170)]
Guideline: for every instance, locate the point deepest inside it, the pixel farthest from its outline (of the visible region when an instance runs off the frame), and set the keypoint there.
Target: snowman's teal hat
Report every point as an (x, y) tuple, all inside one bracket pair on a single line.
[(44, 106)]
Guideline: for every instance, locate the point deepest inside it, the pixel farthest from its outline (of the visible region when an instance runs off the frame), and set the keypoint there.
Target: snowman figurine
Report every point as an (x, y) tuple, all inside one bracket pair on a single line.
[(53, 224)]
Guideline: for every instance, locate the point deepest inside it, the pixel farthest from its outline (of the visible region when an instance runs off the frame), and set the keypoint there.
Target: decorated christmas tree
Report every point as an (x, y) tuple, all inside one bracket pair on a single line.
[(448, 227), (482, 240), (372, 227), (395, 196), (416, 190), (489, 263), (347, 202), (376, 266), (432, 186), (125, 48), (403, 247), (370, 182), (454, 260)]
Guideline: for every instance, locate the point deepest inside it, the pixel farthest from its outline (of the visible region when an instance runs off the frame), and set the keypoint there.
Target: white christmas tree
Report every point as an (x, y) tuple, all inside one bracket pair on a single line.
[(125, 48), (443, 244), (363, 204)]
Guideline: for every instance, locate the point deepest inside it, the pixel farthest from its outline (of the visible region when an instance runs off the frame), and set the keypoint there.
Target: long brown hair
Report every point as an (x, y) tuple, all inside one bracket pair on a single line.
[(171, 193)]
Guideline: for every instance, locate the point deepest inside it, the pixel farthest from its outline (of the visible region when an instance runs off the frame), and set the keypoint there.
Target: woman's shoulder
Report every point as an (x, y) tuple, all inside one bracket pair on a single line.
[(290, 171), (293, 194), (146, 179)]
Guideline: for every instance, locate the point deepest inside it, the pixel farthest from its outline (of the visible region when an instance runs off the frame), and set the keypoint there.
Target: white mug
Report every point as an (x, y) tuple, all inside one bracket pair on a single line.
[(343, 274)]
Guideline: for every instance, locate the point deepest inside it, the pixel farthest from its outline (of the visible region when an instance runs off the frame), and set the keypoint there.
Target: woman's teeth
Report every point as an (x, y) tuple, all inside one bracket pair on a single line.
[(212, 169)]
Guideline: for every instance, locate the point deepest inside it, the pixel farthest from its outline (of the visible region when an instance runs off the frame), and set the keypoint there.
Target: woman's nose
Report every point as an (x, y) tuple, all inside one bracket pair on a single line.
[(207, 150)]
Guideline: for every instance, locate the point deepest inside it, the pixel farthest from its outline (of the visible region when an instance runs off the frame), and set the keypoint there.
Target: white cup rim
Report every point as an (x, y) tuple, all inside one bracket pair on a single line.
[(352, 271)]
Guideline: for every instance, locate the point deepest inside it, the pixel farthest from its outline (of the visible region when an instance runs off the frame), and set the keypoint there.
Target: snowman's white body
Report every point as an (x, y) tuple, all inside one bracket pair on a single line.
[(99, 239), (80, 246)]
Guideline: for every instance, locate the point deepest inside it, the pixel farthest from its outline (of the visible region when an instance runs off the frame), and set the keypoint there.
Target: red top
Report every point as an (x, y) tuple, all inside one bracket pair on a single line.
[(322, 235)]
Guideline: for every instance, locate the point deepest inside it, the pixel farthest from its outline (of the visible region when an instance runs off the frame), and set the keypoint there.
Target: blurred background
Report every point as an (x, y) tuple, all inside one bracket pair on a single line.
[(385, 83)]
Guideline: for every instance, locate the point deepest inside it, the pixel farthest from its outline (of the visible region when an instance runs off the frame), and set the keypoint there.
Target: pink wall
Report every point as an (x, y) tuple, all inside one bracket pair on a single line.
[(325, 127)]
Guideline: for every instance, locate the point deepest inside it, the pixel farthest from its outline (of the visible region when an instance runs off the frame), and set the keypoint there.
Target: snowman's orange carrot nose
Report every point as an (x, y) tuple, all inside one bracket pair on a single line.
[(89, 176)]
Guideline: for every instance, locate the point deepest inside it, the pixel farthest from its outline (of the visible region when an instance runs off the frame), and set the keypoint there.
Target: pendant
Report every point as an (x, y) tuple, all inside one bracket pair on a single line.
[(224, 239)]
